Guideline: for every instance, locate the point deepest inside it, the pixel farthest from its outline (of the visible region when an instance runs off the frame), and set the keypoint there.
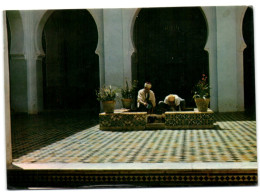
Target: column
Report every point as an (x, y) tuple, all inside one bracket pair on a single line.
[(113, 48), (211, 47), (228, 72), (18, 68), (34, 64)]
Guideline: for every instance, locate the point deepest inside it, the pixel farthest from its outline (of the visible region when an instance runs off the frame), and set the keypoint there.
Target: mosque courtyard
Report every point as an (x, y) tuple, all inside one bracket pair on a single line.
[(67, 149), (76, 138)]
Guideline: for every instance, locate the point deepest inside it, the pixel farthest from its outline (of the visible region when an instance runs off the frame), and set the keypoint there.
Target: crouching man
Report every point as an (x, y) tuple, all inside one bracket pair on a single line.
[(146, 99), (171, 103)]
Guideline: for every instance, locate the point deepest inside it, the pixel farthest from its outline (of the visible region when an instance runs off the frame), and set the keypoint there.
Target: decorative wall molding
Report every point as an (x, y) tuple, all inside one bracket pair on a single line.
[(130, 178), (17, 56), (240, 18)]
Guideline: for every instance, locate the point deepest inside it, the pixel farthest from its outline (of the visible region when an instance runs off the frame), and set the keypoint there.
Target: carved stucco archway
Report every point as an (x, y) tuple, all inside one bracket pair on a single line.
[(205, 12), (17, 33), (97, 16), (211, 48), (247, 30), (18, 51), (135, 13)]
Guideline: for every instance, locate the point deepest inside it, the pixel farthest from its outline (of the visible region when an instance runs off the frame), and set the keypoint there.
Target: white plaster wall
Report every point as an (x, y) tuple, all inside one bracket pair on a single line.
[(118, 46), (211, 47), (25, 61), (227, 59), (128, 47), (225, 46), (97, 14), (113, 48), (34, 77)]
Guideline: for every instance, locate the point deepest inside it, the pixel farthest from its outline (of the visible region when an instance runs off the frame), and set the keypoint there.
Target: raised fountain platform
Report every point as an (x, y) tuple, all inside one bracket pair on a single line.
[(122, 120), (189, 119)]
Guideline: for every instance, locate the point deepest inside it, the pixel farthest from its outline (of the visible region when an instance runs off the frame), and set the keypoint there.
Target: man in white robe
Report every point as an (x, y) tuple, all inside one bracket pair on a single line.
[(171, 102), (146, 99)]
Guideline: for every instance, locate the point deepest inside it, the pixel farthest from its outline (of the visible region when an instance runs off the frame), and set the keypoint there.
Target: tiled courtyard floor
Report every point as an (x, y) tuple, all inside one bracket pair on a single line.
[(76, 138)]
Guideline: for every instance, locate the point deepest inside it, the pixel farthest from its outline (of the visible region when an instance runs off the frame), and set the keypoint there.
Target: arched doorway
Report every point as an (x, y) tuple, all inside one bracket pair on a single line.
[(70, 67), (170, 50), (249, 65)]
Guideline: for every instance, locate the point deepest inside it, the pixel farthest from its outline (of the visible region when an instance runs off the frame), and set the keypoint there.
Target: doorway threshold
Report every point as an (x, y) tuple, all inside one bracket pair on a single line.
[(138, 166)]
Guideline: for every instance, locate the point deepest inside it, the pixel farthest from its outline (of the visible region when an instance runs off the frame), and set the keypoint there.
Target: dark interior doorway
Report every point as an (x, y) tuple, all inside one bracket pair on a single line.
[(71, 67), (170, 50), (249, 64)]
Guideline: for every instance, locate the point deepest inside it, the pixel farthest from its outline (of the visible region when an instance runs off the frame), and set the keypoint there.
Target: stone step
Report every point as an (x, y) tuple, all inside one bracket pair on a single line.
[(155, 126), (155, 118)]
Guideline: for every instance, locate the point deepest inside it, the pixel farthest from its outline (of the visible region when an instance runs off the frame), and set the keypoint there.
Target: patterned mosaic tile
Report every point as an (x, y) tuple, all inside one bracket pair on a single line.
[(77, 139), (122, 120)]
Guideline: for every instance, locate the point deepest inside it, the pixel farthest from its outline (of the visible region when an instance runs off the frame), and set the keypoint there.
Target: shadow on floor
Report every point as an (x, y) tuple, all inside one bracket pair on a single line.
[(32, 132), (235, 116), (216, 127)]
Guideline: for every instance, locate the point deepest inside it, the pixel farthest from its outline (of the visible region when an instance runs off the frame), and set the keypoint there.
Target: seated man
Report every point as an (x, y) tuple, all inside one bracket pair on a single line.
[(146, 99), (171, 103)]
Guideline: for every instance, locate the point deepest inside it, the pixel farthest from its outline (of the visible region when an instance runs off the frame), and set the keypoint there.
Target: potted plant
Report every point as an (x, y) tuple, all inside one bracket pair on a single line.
[(107, 95), (128, 94), (201, 94)]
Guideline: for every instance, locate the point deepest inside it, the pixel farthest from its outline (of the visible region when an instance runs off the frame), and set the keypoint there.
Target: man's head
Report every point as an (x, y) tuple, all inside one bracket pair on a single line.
[(171, 99), (147, 86)]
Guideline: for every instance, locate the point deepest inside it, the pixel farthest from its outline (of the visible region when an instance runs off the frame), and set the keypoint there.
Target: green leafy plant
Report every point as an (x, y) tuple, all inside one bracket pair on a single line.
[(201, 89), (106, 93), (128, 92)]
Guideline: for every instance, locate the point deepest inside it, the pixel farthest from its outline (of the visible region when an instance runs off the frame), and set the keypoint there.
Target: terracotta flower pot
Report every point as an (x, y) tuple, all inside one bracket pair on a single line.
[(108, 106), (202, 104), (127, 103)]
